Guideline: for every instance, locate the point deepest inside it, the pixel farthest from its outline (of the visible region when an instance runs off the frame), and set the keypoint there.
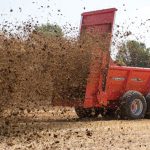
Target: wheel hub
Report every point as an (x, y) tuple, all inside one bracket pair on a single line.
[(136, 107)]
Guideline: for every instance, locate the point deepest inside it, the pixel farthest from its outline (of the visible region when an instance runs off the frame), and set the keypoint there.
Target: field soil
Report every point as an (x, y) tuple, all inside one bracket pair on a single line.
[(60, 128)]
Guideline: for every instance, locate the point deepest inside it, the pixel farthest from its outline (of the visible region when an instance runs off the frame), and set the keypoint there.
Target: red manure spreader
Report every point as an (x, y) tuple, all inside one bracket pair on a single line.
[(111, 89)]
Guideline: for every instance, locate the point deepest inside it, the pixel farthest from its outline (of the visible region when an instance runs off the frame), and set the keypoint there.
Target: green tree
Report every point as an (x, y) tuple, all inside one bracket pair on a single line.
[(50, 30), (133, 53)]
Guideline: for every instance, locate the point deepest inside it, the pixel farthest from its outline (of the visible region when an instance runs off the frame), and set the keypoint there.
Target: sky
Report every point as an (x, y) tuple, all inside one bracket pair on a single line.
[(130, 14)]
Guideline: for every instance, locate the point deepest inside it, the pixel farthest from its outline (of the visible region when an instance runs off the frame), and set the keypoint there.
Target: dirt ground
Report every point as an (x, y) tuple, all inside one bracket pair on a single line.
[(61, 129)]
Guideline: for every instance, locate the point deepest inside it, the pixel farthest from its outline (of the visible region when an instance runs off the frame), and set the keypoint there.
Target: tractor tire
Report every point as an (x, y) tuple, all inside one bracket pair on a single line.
[(148, 106), (133, 105), (87, 112)]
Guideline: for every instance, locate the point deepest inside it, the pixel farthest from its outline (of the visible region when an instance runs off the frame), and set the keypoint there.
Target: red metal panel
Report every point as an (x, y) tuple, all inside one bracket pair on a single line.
[(122, 79), (116, 82), (98, 17), (148, 85), (98, 24)]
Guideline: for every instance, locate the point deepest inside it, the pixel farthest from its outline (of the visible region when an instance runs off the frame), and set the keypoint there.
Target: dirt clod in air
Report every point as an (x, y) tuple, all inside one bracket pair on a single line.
[(41, 69)]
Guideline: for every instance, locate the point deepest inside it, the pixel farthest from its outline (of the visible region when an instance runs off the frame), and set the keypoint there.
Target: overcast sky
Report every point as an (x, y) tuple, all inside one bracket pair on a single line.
[(130, 14)]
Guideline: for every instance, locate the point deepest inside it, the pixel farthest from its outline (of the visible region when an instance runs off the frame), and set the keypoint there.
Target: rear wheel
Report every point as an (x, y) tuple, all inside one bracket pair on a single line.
[(133, 105), (148, 106), (87, 112)]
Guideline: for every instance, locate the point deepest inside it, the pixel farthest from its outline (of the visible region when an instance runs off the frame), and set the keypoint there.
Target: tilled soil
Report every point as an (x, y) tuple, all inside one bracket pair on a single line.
[(61, 129)]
